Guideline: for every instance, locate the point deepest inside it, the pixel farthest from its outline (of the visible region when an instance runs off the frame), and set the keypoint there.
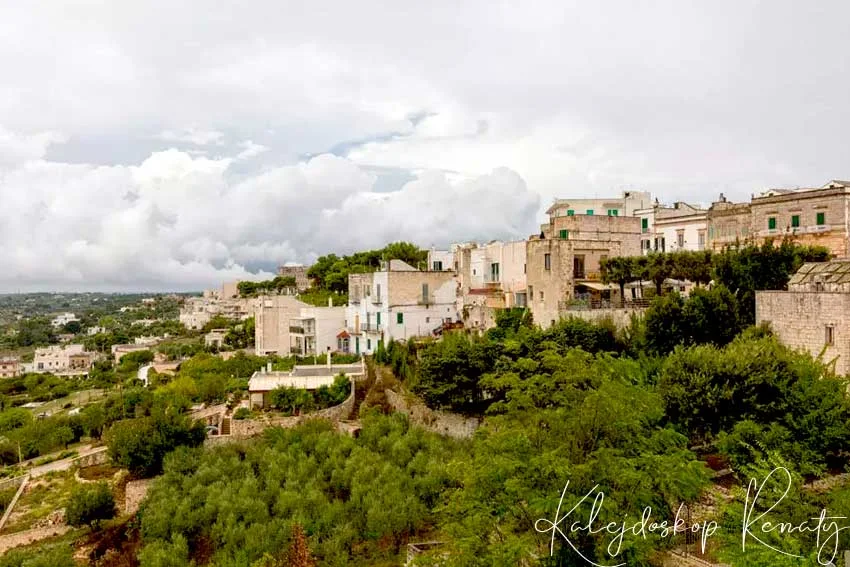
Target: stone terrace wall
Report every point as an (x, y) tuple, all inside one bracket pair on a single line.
[(27, 537), (444, 423), (621, 317), (134, 493)]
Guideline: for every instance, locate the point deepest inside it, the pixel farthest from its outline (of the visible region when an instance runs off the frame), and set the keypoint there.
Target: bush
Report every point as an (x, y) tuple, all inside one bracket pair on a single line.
[(89, 504), (242, 413)]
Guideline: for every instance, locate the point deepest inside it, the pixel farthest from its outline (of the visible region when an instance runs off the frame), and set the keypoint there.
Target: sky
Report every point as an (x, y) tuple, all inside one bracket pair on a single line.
[(153, 146)]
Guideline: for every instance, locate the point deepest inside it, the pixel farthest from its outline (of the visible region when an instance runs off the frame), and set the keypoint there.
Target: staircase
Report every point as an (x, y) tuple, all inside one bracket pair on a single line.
[(225, 426)]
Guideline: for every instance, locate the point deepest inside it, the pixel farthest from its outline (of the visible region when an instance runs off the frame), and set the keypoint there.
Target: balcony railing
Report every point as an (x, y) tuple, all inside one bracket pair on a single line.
[(492, 279), (370, 327), (588, 304), (426, 300), (297, 330), (376, 300)]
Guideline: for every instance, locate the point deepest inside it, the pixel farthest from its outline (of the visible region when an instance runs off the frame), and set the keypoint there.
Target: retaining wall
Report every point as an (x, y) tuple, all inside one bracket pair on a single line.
[(444, 423)]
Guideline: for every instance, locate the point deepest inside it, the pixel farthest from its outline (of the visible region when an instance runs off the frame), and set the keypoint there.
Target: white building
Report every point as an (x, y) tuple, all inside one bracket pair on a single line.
[(306, 377), (318, 330), (272, 321), (490, 277), (63, 360), (399, 302), (63, 319), (627, 205), (680, 227)]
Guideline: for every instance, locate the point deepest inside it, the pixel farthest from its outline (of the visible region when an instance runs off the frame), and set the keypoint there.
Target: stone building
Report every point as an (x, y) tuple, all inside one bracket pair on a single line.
[(563, 261), (812, 216), (10, 366), (398, 302), (814, 314), (302, 282), (727, 223), (625, 206)]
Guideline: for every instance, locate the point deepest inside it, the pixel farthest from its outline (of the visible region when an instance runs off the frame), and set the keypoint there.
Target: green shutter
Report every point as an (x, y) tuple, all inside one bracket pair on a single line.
[(378, 318), (590, 212), (644, 223), (570, 212), (821, 219), (795, 221), (399, 318), (771, 223), (564, 234)]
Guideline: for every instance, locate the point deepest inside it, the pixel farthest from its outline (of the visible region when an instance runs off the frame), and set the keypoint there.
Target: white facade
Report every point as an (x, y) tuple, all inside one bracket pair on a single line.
[(441, 260), (681, 227), (63, 319), (397, 304), (315, 330), (62, 359), (626, 205)]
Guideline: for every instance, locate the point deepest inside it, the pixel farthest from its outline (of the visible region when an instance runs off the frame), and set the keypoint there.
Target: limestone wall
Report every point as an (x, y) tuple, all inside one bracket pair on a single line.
[(444, 423), (27, 537), (800, 321), (620, 317)]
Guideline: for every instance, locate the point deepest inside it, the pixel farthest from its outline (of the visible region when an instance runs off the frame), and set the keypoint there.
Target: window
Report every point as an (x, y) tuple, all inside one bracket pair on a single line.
[(644, 225), (541, 296), (368, 344), (378, 293), (564, 234), (547, 261), (613, 212), (570, 212), (425, 293), (656, 245), (821, 219), (523, 269), (771, 223), (829, 340), (378, 318), (399, 318), (590, 212), (680, 238), (494, 272), (795, 221), (438, 266), (701, 239), (531, 293), (662, 244)]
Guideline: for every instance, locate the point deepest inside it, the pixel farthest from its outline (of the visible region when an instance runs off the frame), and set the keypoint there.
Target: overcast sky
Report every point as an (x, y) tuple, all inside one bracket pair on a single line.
[(164, 145)]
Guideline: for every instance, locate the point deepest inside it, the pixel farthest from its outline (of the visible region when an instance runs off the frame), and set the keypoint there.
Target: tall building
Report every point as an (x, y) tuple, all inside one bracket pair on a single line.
[(563, 261), (272, 317), (302, 282), (398, 302)]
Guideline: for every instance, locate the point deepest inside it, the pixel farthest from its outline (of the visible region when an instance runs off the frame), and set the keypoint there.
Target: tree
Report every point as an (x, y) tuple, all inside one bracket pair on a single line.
[(90, 504), (659, 268), (619, 270)]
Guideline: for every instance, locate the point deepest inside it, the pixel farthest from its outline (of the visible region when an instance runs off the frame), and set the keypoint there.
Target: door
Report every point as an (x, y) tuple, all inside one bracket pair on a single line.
[(356, 345)]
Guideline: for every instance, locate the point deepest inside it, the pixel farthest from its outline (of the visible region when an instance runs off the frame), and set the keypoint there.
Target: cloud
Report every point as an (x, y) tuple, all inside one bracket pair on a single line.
[(178, 221), (250, 150), (193, 136)]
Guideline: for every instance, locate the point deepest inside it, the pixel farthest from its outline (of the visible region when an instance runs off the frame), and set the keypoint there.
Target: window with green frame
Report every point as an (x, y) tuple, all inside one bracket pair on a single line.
[(644, 225), (613, 212), (771, 223), (378, 318), (570, 212), (821, 219), (564, 234), (795, 221), (399, 318), (590, 212)]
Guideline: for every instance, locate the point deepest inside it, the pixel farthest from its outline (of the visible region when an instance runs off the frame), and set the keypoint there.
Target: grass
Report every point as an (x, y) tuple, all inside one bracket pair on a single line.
[(98, 472), (41, 497), (74, 398)]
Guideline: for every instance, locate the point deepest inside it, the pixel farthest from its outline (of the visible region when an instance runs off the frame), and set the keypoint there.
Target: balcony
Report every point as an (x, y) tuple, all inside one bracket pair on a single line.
[(589, 304), (589, 276), (370, 328), (376, 300), (426, 300)]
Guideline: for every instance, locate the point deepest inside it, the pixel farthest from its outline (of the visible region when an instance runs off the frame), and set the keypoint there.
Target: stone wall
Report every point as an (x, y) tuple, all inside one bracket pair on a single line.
[(134, 492), (27, 537), (621, 318), (800, 319), (444, 423), (92, 459)]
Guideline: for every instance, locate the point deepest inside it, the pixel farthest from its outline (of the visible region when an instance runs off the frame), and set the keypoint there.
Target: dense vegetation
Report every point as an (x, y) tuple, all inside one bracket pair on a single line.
[(331, 272), (742, 269)]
